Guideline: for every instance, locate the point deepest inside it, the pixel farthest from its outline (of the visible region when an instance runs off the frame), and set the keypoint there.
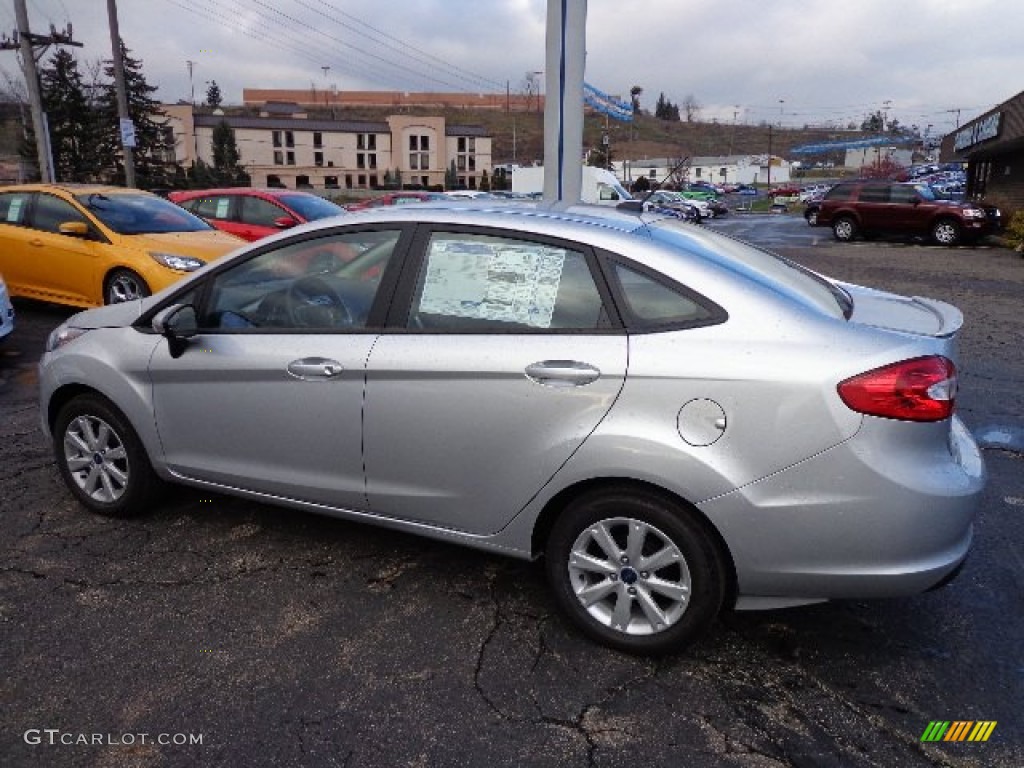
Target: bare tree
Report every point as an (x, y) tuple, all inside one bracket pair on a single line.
[(691, 108)]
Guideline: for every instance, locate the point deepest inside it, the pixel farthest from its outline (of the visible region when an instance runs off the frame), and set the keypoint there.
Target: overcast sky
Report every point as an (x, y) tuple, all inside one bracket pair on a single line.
[(789, 61)]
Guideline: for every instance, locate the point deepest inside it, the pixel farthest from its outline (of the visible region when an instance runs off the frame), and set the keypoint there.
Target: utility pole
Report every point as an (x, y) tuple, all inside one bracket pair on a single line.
[(26, 43), (127, 129)]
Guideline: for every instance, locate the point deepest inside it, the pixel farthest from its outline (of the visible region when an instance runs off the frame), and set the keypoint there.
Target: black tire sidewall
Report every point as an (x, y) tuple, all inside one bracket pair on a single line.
[(705, 563), (142, 481)]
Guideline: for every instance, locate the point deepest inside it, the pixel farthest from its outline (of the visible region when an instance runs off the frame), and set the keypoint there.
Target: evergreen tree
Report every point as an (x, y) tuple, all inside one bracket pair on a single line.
[(226, 159), (71, 121), (451, 177), (213, 97), (154, 149)]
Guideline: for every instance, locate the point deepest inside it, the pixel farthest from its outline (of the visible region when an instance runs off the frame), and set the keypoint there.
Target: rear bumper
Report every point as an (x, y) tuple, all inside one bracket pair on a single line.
[(888, 512)]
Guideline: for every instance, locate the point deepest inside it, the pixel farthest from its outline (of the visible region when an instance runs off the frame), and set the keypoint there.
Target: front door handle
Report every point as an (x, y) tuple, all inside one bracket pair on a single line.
[(315, 368), (562, 373)]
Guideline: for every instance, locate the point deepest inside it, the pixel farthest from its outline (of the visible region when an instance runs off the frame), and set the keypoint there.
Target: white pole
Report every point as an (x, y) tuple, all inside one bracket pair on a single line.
[(563, 106)]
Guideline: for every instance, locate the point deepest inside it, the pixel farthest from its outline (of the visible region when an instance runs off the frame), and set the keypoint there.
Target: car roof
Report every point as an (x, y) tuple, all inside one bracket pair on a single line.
[(75, 189), (184, 194)]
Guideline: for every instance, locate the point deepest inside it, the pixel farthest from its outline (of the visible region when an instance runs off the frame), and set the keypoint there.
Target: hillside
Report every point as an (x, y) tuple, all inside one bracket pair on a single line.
[(519, 136)]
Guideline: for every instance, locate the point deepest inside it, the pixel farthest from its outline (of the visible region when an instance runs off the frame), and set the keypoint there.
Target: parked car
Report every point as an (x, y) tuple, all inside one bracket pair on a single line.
[(663, 200), (251, 213), (872, 208), (6, 311), (398, 198), (88, 245), (587, 384)]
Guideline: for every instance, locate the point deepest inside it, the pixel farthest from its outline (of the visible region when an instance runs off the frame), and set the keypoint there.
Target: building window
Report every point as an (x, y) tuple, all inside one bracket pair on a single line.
[(360, 160), (289, 138), (274, 181), (366, 141), (318, 139), (348, 181), (318, 158), (372, 159), (361, 180), (302, 181), (696, 172), (466, 144), (373, 180), (278, 157), (331, 182), (277, 138), (291, 158)]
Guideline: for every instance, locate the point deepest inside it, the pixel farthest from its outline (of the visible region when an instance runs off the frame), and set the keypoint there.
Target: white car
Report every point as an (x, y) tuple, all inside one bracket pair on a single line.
[(6, 310)]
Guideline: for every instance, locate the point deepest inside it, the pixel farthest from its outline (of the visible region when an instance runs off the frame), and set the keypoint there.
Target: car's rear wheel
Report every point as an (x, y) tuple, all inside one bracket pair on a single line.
[(634, 570), (124, 285), (946, 232), (101, 458), (844, 229)]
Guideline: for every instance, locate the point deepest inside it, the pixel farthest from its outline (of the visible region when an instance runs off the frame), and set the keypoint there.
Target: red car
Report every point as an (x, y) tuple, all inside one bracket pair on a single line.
[(397, 198), (254, 213)]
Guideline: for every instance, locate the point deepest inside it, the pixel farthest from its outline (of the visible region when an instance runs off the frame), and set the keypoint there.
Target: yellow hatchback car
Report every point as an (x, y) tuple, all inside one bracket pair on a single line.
[(88, 245)]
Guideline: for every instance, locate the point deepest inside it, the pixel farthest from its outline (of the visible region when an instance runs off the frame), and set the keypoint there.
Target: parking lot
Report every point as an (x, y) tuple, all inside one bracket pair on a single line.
[(217, 631)]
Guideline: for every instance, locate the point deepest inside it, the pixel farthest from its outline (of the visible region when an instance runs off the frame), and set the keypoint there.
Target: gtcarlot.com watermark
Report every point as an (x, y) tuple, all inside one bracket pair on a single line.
[(56, 737)]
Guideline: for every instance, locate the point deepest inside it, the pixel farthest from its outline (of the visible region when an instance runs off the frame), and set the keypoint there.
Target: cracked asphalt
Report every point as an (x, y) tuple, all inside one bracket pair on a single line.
[(282, 639)]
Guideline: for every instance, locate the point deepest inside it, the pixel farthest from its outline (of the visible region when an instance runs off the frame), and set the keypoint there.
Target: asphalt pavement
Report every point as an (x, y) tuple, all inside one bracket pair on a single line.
[(219, 632)]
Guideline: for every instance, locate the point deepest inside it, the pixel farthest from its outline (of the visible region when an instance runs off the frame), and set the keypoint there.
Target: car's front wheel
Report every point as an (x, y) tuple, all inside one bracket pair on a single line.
[(635, 571), (101, 458), (946, 232), (844, 229), (124, 285)]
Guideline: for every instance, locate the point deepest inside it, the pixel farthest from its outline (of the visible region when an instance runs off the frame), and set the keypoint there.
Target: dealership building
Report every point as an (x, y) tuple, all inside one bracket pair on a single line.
[(992, 145)]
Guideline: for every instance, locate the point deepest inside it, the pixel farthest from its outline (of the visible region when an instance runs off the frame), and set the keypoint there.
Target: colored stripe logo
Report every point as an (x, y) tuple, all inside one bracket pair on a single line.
[(958, 730)]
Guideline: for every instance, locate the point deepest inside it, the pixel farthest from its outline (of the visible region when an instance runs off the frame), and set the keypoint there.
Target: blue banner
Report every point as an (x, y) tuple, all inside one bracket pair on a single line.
[(607, 105)]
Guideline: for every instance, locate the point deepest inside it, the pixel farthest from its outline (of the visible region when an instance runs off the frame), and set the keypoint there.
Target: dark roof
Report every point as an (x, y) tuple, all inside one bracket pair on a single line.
[(465, 130), (293, 124)]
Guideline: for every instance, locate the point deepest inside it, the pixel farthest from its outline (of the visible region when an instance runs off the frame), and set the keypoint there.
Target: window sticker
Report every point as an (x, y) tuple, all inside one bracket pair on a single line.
[(222, 208), (14, 211), (495, 280)]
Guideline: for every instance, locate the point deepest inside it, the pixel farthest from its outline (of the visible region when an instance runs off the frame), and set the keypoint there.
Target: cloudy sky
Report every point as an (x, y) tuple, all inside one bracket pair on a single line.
[(790, 61)]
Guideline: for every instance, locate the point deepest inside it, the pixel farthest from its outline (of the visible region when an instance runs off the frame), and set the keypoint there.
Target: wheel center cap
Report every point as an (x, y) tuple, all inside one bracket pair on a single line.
[(97, 458), (628, 575)]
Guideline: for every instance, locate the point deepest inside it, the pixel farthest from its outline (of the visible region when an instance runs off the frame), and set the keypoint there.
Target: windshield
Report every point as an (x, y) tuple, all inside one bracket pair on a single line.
[(139, 214), (311, 207), (781, 274)]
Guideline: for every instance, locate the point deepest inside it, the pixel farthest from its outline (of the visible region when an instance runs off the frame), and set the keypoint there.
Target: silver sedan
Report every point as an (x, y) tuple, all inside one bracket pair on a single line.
[(677, 421)]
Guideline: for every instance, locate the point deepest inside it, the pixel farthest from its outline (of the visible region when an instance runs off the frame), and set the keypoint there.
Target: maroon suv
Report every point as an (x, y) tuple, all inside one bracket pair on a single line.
[(870, 208)]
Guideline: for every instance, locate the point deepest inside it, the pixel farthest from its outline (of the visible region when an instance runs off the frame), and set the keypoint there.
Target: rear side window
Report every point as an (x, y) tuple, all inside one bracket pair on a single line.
[(211, 207), (874, 193), (13, 206), (482, 283)]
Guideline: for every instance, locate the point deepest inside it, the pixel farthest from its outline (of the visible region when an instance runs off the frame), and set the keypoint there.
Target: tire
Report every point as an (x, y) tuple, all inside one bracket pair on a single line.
[(844, 229), (101, 458), (124, 285), (946, 232), (607, 545)]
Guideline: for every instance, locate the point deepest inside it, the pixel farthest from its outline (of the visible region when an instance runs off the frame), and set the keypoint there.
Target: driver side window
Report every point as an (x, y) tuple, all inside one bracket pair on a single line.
[(321, 284)]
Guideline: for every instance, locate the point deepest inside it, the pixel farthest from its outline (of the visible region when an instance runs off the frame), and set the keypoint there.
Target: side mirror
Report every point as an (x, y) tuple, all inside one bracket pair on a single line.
[(74, 229), (285, 222), (177, 323)]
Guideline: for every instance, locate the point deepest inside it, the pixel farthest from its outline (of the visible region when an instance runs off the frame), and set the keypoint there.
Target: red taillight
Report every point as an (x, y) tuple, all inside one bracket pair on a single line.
[(922, 389)]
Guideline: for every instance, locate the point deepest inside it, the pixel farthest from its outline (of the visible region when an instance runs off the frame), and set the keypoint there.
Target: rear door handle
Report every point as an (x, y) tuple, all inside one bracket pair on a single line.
[(315, 368), (562, 373)]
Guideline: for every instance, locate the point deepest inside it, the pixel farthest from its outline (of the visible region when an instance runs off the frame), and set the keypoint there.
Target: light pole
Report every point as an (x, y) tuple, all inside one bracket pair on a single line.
[(782, 103), (326, 94)]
